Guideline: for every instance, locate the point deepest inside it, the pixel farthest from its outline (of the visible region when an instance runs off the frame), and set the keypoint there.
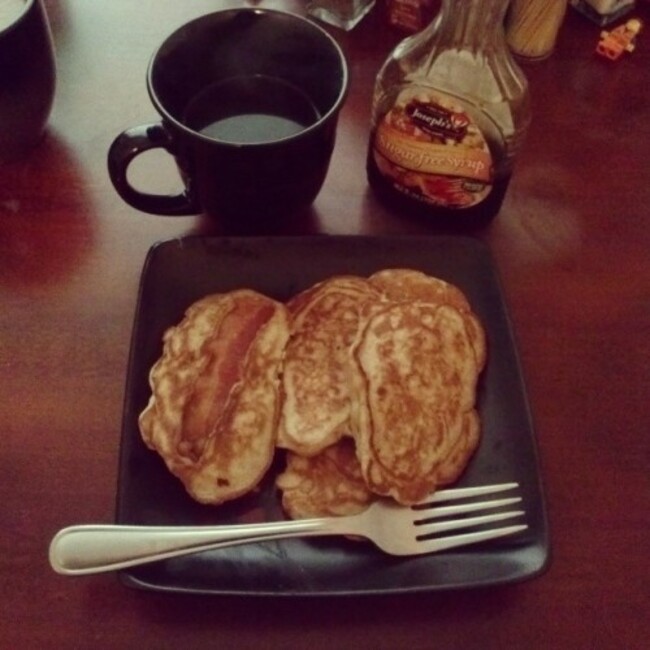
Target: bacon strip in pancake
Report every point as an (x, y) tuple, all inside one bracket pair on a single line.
[(214, 406)]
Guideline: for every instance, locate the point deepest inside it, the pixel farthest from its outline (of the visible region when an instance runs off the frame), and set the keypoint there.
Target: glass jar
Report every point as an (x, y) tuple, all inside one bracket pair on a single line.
[(450, 109), (532, 26), (344, 14)]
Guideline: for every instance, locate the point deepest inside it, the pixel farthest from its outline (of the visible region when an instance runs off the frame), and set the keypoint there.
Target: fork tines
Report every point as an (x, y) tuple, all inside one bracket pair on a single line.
[(464, 493), (436, 519)]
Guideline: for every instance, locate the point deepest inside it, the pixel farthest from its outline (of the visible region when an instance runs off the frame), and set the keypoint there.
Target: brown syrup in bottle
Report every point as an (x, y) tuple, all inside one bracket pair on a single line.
[(450, 110)]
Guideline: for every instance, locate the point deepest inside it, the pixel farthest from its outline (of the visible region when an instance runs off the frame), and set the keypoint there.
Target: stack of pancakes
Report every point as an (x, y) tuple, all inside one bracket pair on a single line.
[(368, 384)]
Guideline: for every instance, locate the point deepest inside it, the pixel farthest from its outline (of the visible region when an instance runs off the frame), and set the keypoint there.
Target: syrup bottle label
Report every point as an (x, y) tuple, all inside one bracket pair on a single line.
[(429, 148)]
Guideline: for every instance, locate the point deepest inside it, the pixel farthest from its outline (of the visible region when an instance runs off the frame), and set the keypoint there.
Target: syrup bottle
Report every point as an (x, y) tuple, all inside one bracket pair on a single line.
[(450, 109)]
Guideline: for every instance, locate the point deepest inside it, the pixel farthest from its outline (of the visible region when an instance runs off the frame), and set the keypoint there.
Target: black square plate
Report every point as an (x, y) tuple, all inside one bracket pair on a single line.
[(180, 271)]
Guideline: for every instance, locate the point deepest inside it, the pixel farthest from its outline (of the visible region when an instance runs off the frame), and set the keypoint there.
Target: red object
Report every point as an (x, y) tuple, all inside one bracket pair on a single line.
[(619, 40)]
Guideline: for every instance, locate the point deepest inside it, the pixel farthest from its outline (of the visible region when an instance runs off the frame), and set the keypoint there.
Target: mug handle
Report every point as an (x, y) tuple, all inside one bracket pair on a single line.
[(124, 149)]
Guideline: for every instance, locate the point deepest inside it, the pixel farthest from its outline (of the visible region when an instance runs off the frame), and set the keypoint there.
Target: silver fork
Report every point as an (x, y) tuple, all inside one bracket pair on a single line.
[(395, 529)]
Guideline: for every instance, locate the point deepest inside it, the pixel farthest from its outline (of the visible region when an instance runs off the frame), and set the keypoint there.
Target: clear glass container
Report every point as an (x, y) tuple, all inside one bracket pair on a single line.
[(533, 25), (450, 110), (345, 14)]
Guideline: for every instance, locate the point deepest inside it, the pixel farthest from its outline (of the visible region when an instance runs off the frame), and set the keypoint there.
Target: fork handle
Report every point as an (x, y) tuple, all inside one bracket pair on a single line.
[(90, 548)]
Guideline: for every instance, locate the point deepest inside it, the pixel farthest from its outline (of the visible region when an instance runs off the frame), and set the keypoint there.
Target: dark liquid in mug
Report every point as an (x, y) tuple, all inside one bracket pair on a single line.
[(249, 110)]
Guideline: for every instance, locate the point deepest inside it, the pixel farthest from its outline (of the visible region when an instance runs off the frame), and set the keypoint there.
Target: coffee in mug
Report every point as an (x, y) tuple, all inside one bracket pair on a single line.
[(250, 110), (249, 100)]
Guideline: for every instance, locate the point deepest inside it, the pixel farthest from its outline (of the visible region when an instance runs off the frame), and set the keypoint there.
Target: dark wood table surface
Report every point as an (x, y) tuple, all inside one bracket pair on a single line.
[(571, 244)]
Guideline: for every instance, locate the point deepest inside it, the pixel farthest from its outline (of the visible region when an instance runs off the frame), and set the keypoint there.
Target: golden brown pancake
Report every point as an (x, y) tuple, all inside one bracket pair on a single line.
[(325, 322), (214, 406), (405, 285), (329, 484), (408, 284), (416, 371)]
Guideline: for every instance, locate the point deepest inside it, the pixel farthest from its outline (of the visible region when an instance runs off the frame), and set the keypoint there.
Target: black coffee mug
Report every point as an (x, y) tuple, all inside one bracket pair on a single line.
[(27, 77), (249, 100)]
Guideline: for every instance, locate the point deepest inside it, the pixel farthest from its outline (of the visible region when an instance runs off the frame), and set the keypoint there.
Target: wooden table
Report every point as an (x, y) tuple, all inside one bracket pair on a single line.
[(571, 244)]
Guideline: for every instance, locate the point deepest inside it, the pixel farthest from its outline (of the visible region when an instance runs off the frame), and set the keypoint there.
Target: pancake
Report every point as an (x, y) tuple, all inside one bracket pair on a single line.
[(409, 284), (324, 323), (405, 285), (329, 484), (416, 367), (214, 407)]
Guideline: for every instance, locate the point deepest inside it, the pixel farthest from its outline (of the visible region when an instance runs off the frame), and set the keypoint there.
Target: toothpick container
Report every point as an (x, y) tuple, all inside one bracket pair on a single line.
[(532, 26)]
